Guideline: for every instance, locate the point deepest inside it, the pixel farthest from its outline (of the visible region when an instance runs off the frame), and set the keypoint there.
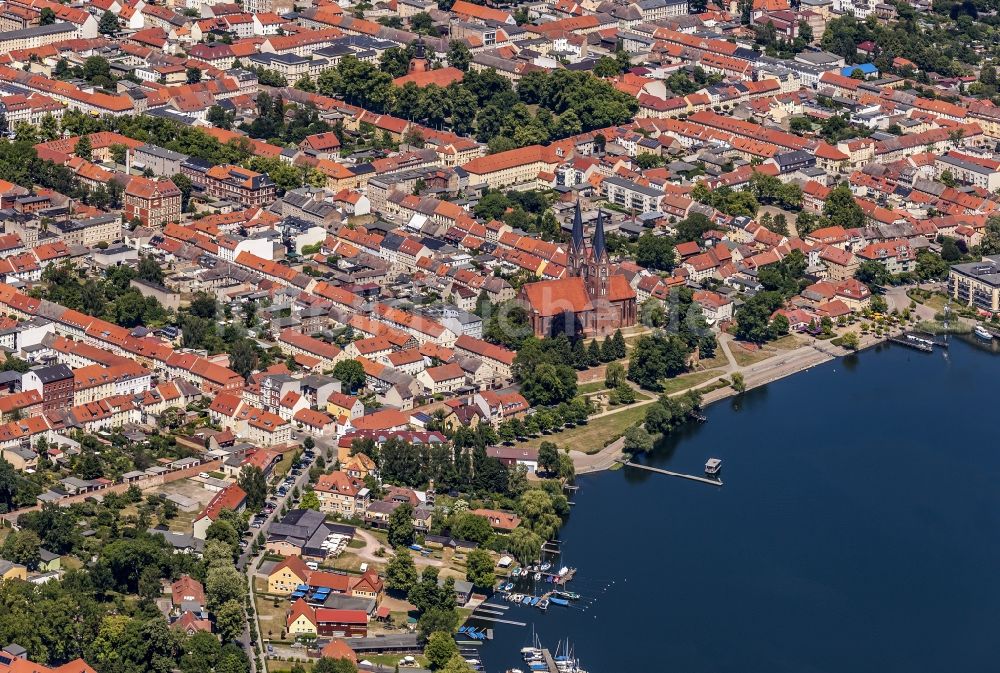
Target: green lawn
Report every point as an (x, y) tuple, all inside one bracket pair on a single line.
[(786, 343), (685, 381), (589, 388), (745, 358), (936, 301), (596, 434)]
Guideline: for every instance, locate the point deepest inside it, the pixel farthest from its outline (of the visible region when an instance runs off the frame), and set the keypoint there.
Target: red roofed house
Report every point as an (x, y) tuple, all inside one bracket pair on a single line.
[(326, 622), (152, 202), (232, 497), (187, 590), (501, 521), (589, 300), (442, 379)]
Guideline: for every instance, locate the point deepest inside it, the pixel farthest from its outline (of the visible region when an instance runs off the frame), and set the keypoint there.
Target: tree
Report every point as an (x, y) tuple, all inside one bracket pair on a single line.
[(401, 526), (440, 649), (647, 160), (422, 23), (471, 527), (656, 357), (46, 17), (108, 24), (637, 440), (738, 382), (193, 75), (350, 373), (872, 272), (328, 665), (119, 153), (850, 341), (753, 318), (223, 531), (183, 183), (224, 583), (842, 210), (805, 32), (230, 619), (457, 664), (459, 55), (84, 149), (310, 501), (525, 545), (149, 271), (548, 456), (401, 572), (243, 357), (692, 227), (549, 384), (253, 482), (655, 252), (950, 251), (479, 569), (22, 547)]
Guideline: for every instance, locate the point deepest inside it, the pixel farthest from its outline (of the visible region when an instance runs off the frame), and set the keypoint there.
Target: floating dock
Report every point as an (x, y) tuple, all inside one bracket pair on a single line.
[(917, 344), (691, 477)]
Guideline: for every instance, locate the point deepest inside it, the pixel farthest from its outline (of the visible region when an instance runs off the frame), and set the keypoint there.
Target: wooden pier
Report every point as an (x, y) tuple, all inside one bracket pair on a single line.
[(691, 477), (488, 618), (550, 662)]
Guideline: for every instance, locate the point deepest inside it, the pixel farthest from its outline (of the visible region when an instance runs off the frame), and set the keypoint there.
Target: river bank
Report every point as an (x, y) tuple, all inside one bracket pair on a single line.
[(754, 376)]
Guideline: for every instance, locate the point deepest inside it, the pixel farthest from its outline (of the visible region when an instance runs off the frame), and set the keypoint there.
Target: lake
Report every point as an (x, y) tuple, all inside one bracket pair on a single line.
[(857, 530)]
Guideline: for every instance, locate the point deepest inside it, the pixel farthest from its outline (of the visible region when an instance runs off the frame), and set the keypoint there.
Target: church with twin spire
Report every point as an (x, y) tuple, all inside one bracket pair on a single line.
[(590, 300)]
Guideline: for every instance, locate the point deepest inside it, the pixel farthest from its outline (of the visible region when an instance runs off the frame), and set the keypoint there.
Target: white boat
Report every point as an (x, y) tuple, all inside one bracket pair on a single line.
[(983, 333), (538, 576), (563, 571)]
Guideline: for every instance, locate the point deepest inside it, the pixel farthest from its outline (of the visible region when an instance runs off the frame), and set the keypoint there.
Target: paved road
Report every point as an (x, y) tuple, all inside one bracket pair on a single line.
[(249, 564)]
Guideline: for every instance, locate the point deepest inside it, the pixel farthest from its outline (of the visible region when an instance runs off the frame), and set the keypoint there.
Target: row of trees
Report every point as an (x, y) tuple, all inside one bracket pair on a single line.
[(485, 103), (462, 464)]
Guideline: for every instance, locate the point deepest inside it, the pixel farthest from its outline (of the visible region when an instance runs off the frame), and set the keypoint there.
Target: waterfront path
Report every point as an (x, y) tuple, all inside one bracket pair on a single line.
[(758, 374)]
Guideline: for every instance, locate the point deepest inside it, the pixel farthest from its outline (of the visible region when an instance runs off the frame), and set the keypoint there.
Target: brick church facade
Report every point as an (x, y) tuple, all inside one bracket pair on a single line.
[(590, 300)]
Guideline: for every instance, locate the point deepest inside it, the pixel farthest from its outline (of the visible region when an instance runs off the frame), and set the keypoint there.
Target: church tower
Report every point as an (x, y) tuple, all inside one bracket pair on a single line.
[(419, 61), (577, 250), (597, 263)]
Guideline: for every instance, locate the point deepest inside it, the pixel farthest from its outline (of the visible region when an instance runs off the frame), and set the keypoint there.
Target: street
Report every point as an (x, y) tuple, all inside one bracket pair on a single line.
[(249, 564)]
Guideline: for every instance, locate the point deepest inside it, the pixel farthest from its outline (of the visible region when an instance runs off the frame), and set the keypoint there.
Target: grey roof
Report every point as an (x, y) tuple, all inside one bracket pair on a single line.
[(35, 31), (179, 540), (986, 271), (53, 373), (162, 152)]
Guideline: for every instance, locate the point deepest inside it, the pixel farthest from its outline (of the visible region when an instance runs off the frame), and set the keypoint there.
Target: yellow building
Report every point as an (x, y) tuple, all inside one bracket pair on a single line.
[(287, 575), (12, 571)]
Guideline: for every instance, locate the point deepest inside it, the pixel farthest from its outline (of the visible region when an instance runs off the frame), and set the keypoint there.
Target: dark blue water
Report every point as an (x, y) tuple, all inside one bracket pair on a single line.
[(858, 530)]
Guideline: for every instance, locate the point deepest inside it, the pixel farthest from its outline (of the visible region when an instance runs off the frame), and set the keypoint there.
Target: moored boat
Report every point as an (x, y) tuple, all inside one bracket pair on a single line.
[(983, 333)]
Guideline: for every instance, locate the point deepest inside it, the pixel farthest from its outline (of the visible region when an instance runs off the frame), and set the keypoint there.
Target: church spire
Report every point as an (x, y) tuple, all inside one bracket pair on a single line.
[(577, 229), (600, 248)]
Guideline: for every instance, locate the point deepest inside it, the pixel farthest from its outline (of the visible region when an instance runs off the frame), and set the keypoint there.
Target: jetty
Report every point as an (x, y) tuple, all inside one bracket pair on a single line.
[(489, 618), (915, 343), (691, 477), (920, 341)]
